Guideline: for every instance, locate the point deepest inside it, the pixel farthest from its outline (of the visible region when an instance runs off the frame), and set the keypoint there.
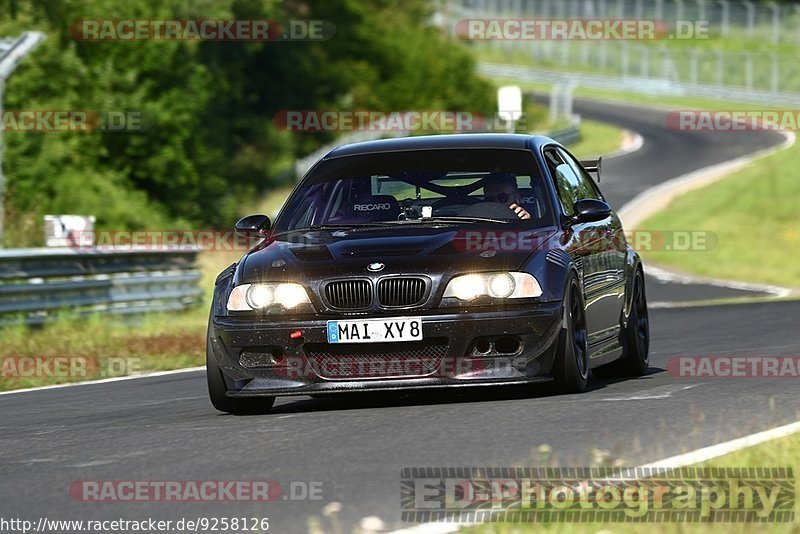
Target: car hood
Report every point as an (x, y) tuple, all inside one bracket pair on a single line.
[(435, 250)]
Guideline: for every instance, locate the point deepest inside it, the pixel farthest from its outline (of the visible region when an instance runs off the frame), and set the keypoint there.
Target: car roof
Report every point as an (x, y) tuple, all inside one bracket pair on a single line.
[(439, 142)]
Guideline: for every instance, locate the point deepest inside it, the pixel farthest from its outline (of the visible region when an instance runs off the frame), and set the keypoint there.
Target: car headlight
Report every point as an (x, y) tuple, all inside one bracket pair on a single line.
[(248, 297), (496, 285)]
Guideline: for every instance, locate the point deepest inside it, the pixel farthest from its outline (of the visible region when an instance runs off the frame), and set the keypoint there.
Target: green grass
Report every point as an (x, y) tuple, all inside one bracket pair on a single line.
[(597, 139), (754, 215)]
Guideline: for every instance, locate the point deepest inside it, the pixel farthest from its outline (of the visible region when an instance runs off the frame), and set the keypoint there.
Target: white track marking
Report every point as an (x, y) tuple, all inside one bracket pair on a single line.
[(106, 380), (664, 275), (660, 392), (633, 142)]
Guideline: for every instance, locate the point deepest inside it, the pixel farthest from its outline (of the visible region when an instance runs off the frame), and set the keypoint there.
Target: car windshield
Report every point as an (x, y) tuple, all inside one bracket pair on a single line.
[(407, 188)]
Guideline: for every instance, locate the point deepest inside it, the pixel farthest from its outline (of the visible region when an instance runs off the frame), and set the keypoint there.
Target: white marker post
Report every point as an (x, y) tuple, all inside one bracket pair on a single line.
[(509, 105)]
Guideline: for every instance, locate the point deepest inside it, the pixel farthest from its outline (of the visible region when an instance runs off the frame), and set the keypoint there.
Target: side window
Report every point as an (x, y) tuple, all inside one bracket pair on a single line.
[(567, 182), (586, 187)]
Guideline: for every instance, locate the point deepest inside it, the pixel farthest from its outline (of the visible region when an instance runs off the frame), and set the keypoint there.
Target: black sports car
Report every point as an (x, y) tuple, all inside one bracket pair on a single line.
[(437, 261)]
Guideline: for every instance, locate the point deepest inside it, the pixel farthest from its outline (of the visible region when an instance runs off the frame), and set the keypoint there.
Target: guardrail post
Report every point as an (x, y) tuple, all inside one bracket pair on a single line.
[(701, 10), (555, 102), (659, 9), (726, 17), (601, 9), (774, 74), (751, 17), (748, 70), (776, 21), (625, 60)]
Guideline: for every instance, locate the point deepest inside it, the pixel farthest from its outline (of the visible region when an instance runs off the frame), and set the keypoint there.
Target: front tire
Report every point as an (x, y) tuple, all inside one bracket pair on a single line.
[(571, 367), (223, 403)]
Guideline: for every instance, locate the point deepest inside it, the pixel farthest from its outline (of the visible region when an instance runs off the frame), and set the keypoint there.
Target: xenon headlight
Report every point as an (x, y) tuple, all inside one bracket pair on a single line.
[(248, 297), (501, 285)]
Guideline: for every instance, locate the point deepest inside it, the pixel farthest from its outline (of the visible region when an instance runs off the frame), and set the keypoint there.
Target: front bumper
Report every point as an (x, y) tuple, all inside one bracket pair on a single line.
[(258, 356)]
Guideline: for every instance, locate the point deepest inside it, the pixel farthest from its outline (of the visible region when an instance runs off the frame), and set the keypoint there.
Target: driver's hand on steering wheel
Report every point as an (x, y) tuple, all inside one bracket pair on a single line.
[(521, 212)]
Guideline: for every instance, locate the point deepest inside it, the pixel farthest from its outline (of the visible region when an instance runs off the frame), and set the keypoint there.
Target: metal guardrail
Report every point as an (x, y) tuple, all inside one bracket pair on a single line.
[(37, 285), (636, 84), (763, 67)]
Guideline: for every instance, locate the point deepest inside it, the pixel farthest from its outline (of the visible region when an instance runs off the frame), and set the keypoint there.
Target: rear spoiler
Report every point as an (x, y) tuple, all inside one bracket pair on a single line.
[(593, 166)]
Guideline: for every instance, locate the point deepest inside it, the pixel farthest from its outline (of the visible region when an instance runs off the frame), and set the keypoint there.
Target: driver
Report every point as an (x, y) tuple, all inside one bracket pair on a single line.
[(503, 188)]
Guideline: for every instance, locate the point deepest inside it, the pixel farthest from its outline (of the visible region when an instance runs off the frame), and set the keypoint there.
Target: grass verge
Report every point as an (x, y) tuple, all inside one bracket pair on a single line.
[(751, 218), (784, 452), (597, 139)]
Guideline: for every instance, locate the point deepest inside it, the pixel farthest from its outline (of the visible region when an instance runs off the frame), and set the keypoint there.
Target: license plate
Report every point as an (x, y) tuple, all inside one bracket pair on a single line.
[(375, 330)]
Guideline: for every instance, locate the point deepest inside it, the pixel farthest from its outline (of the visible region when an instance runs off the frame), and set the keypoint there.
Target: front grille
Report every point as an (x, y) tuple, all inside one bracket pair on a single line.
[(401, 291), (376, 360), (349, 294)]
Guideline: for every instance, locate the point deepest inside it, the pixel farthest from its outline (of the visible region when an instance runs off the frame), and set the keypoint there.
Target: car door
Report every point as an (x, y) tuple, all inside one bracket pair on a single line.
[(604, 283), (583, 242)]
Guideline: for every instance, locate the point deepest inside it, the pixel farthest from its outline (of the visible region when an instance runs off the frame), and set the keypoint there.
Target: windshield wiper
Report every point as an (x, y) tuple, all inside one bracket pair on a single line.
[(338, 226), (456, 218)]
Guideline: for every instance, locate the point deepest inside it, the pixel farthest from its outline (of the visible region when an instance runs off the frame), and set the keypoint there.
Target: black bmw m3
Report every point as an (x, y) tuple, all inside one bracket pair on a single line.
[(430, 262)]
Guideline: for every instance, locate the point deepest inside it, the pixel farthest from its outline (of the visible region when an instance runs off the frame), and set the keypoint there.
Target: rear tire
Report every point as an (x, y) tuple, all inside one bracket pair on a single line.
[(571, 366), (635, 337), (223, 403)]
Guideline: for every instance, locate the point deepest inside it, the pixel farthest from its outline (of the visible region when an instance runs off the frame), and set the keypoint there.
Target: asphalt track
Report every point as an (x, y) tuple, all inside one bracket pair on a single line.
[(163, 428)]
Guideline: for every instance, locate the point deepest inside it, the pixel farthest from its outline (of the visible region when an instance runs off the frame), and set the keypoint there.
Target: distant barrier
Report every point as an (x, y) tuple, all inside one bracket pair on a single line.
[(37, 285)]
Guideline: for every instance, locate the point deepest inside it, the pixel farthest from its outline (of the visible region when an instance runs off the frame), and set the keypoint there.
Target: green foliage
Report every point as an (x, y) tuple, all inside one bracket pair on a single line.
[(209, 144)]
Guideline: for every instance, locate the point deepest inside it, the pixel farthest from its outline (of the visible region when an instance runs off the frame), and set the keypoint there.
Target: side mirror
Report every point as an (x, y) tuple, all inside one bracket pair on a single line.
[(590, 210), (252, 226)]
